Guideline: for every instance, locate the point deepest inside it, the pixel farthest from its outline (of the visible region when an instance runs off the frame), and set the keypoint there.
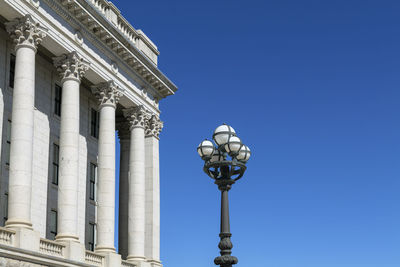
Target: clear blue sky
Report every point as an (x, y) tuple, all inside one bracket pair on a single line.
[(313, 87)]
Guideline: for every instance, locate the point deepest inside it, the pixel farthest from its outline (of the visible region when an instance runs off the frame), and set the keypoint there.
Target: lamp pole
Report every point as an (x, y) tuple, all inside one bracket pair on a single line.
[(225, 172)]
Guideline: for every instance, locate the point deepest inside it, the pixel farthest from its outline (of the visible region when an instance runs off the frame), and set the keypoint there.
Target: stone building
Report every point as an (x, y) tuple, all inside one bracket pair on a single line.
[(72, 73)]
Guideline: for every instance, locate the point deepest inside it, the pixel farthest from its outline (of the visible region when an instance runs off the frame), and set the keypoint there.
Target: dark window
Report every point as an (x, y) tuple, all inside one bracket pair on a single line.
[(92, 179), (56, 150), (5, 218), (8, 142), (57, 100), (92, 229), (94, 123), (53, 224), (12, 71)]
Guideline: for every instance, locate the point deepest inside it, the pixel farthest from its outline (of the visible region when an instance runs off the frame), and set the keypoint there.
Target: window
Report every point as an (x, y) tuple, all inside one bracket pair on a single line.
[(12, 71), (5, 217), (8, 142), (92, 234), (56, 150), (92, 179), (57, 100), (53, 224), (94, 123)]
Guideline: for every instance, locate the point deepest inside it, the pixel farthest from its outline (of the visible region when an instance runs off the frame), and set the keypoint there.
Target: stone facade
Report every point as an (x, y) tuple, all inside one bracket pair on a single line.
[(73, 72)]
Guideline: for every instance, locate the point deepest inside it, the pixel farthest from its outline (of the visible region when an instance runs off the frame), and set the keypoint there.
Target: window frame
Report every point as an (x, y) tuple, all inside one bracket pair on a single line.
[(8, 142), (94, 123), (54, 211), (57, 100), (92, 181), (92, 236), (55, 164), (11, 70)]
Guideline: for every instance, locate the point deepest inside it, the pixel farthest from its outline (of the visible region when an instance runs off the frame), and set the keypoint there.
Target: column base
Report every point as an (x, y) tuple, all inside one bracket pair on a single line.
[(17, 224), (112, 259), (138, 261), (154, 263), (67, 238), (74, 250), (104, 250), (27, 239)]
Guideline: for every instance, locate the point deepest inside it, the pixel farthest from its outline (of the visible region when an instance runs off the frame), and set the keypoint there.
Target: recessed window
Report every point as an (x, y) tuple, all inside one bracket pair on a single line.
[(92, 181), (8, 142), (57, 99), (94, 123), (56, 151), (12, 71), (53, 224), (92, 234)]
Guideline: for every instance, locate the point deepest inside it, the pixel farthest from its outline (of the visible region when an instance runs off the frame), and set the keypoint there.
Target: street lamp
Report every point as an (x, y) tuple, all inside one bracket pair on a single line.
[(225, 171)]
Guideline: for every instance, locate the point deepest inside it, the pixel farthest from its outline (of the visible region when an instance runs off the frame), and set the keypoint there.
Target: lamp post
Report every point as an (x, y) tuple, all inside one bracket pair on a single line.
[(225, 171)]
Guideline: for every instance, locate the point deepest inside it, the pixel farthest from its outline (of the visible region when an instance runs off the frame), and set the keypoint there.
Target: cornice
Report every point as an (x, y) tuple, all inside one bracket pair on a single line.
[(81, 14)]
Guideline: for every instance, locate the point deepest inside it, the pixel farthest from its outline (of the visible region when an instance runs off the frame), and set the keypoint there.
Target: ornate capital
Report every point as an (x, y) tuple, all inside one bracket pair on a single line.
[(71, 66), (136, 116), (123, 128), (25, 32), (108, 93), (153, 126)]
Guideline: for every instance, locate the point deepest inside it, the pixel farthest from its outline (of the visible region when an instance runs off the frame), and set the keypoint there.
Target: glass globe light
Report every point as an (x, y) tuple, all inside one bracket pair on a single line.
[(244, 154), (233, 145), (222, 134), (217, 156), (205, 149)]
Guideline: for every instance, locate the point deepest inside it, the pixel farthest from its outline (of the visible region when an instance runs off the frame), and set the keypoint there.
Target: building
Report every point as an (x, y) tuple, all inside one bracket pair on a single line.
[(72, 73)]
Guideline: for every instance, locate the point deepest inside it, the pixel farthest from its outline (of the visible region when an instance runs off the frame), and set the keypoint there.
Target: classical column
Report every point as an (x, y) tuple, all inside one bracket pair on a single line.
[(124, 140), (152, 239), (27, 35), (108, 95), (136, 209), (71, 68)]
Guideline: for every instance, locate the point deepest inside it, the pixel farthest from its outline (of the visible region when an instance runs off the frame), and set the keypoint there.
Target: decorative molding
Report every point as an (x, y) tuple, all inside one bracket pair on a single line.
[(34, 3), (25, 32), (78, 38), (114, 67), (153, 126), (107, 93), (112, 41), (71, 66), (136, 116)]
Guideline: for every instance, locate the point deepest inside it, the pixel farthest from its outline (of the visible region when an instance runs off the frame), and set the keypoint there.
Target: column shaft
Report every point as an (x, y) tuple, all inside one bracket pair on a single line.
[(136, 226), (27, 35), (21, 152), (123, 197), (71, 68), (152, 199), (106, 180), (69, 164)]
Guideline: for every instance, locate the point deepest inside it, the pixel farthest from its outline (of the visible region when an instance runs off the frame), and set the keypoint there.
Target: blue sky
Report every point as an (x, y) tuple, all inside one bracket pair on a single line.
[(312, 87)]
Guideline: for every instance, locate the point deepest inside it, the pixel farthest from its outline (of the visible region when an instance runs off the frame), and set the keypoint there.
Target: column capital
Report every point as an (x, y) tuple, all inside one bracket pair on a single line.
[(71, 66), (25, 32), (123, 128), (153, 126), (136, 116), (108, 93)]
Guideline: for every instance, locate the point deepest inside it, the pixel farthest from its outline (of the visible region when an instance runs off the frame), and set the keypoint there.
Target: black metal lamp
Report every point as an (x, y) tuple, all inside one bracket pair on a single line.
[(225, 172)]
